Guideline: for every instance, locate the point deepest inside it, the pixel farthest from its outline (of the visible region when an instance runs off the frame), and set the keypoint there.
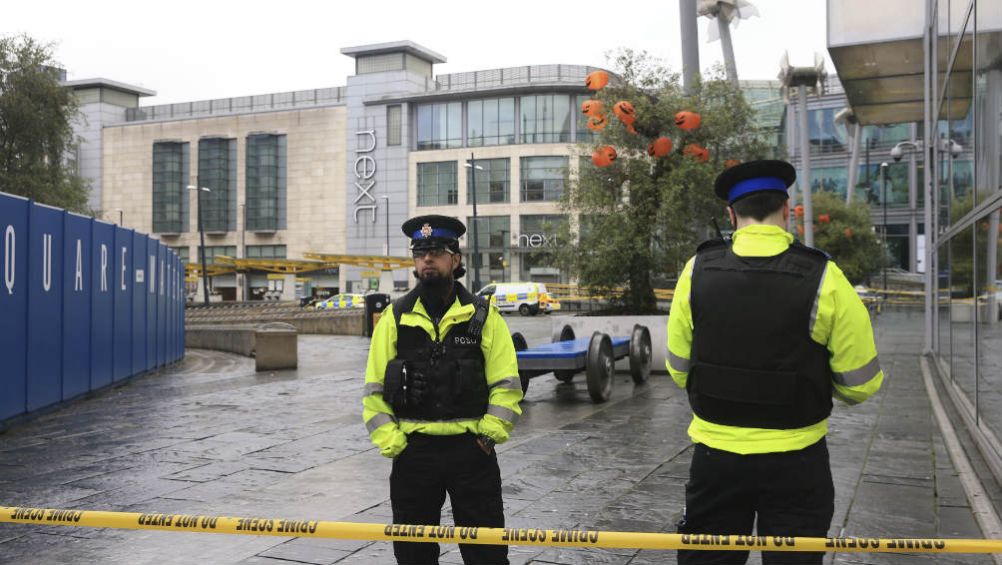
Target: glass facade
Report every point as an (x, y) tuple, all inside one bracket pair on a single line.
[(492, 182), (170, 196), (436, 184), (490, 122), (545, 118), (213, 251), (217, 172), (968, 331), (265, 252), (543, 178), (538, 232), (493, 247), (182, 253), (265, 182), (440, 126)]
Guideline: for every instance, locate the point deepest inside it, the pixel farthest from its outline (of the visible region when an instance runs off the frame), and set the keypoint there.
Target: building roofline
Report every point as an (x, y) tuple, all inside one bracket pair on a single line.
[(108, 83), (405, 46)]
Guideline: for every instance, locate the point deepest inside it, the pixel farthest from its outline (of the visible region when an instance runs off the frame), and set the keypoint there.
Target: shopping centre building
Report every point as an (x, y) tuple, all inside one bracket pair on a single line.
[(337, 170)]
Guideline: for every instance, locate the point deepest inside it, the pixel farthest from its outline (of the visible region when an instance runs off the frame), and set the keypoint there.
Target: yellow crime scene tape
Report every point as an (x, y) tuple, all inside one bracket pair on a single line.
[(475, 535)]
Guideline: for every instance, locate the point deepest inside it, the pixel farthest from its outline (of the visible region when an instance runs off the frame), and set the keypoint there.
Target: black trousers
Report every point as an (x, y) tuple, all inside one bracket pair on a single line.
[(432, 466), (790, 494)]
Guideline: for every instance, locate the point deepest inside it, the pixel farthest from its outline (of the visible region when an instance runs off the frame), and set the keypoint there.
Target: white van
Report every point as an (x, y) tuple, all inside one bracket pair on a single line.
[(528, 299)]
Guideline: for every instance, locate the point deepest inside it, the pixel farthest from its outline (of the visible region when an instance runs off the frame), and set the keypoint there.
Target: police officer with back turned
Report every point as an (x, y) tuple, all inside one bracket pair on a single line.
[(441, 389), (762, 333)]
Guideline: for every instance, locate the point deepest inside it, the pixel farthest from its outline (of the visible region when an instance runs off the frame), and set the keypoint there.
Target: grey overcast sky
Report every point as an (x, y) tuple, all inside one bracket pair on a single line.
[(200, 49)]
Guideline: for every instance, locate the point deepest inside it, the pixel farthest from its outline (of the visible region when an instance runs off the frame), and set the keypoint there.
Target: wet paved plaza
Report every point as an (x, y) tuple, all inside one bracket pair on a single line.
[(213, 437)]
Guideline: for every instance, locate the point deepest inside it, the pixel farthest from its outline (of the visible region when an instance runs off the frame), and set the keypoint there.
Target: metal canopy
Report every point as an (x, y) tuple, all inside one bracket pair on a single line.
[(877, 49)]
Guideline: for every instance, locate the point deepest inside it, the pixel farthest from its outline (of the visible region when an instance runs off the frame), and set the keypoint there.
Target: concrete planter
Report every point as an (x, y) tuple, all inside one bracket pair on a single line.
[(584, 326)]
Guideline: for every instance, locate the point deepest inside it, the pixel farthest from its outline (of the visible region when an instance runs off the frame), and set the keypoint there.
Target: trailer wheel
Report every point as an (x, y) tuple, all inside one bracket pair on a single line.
[(518, 340), (599, 367), (640, 354), (566, 334)]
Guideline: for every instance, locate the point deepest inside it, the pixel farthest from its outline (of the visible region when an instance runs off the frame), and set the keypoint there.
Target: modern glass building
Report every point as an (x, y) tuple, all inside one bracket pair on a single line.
[(940, 70)]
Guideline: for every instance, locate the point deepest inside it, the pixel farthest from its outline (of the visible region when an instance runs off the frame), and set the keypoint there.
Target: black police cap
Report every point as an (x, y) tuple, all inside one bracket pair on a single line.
[(434, 231), (755, 176)]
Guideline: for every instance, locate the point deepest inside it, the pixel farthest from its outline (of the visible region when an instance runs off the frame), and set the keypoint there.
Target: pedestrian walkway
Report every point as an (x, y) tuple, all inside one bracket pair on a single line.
[(214, 437)]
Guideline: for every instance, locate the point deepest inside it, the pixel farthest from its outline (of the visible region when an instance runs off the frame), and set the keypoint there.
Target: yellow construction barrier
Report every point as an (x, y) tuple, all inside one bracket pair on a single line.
[(284, 527)]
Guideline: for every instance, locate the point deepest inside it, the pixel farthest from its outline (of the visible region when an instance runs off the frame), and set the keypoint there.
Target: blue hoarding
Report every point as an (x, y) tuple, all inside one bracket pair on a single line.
[(82, 304), (76, 305), (45, 306), (102, 301), (13, 303)]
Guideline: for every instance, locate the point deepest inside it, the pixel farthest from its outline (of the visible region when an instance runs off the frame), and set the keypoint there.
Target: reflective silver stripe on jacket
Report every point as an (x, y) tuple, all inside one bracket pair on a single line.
[(511, 383), (817, 298), (454, 420), (859, 376), (506, 414), (373, 388), (379, 419), (680, 364)]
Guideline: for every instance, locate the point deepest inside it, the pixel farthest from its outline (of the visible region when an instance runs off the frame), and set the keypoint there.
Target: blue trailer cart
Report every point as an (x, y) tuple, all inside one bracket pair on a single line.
[(595, 355)]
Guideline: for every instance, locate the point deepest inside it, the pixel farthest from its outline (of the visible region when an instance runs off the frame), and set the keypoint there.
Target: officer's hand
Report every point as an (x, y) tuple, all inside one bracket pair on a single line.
[(417, 388), (486, 444)]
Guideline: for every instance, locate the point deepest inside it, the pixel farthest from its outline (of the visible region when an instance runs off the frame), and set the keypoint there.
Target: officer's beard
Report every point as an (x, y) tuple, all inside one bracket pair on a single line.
[(434, 283)]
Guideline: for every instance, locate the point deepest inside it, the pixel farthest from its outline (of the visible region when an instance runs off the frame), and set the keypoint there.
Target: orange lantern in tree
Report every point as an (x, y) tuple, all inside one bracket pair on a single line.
[(687, 120), (625, 112), (731, 162), (603, 156), (847, 232), (799, 210), (659, 147), (597, 123), (592, 107), (824, 218), (596, 80), (697, 152)]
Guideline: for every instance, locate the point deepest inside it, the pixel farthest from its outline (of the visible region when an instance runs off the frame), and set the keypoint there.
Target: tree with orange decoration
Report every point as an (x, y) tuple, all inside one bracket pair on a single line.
[(644, 210)]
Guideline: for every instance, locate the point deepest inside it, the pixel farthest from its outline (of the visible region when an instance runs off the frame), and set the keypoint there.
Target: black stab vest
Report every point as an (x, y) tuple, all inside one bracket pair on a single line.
[(754, 364), (453, 366)]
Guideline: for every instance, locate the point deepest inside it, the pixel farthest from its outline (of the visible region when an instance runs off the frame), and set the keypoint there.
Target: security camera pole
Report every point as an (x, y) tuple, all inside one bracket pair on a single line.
[(201, 234), (474, 167)]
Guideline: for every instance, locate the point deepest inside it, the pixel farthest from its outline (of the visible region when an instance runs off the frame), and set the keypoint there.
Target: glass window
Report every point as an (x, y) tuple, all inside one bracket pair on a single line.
[(214, 173), (538, 232), (492, 182), (182, 253), (265, 175), (440, 126), (436, 184), (493, 237), (824, 135), (394, 125), (545, 118), (266, 252), (830, 179), (490, 122), (213, 251), (543, 178), (873, 192), (583, 135), (170, 197)]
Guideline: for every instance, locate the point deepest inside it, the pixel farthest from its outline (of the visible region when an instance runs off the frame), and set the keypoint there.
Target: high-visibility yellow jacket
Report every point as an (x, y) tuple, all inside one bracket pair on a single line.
[(842, 325), (500, 366)]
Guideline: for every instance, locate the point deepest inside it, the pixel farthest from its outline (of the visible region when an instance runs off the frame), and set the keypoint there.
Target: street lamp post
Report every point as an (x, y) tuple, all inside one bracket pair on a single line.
[(883, 197), (201, 235), (387, 199), (472, 165)]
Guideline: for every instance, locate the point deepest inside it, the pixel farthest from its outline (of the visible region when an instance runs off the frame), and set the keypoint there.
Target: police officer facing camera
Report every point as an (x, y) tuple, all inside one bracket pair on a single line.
[(762, 333), (441, 389)]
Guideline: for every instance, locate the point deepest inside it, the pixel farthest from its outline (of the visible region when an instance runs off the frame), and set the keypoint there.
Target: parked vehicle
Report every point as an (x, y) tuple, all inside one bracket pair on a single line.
[(528, 299), (340, 301)]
